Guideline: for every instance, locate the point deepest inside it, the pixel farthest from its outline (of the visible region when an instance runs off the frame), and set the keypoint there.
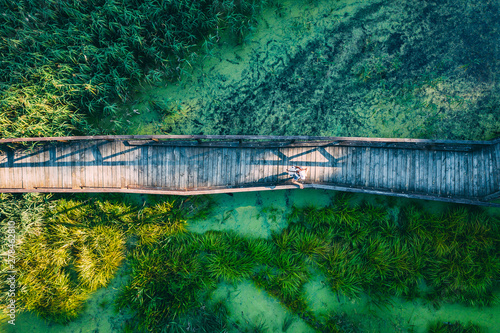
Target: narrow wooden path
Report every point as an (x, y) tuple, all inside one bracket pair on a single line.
[(455, 171)]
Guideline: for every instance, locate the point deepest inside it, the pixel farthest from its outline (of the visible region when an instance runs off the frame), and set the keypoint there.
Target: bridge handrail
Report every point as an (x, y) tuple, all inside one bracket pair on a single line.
[(248, 137)]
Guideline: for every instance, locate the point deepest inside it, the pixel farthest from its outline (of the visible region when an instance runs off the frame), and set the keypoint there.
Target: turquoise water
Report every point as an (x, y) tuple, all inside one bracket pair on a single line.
[(258, 215)]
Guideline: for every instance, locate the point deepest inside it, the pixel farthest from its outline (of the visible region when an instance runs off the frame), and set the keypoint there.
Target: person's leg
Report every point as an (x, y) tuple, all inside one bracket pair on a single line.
[(297, 183)]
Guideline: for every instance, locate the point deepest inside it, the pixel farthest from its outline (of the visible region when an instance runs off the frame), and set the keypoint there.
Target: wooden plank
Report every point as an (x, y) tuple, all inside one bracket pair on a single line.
[(162, 166), (214, 169), (31, 169), (24, 160), (18, 168), (220, 167), (346, 165), (65, 164), (422, 174), (7, 178), (248, 163), (328, 166), (443, 180), (155, 164), (354, 163), (227, 158), (480, 173), (436, 169), (258, 168), (196, 166), (431, 172), (423, 160), (125, 165), (458, 174), (362, 161), (75, 165), (450, 176), (266, 173), (317, 162), (491, 178), (115, 164), (105, 153), (341, 160), (101, 153), (4, 178), (495, 160), (462, 174), (476, 173), (348, 169), (374, 167), (335, 174), (209, 170), (276, 165), (468, 175), (175, 169), (90, 166), (99, 149), (390, 170), (142, 158), (81, 164), (137, 168), (150, 167), (336, 140), (382, 183), (183, 159), (167, 166), (189, 154), (50, 172), (409, 170), (398, 170), (324, 166), (488, 171), (357, 158), (414, 171), (365, 167)]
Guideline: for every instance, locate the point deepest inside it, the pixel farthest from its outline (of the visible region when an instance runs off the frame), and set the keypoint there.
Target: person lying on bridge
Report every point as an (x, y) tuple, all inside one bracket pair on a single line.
[(297, 173)]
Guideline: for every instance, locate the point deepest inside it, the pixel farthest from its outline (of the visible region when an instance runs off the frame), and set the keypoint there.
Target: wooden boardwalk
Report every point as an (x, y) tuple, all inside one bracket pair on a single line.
[(456, 171)]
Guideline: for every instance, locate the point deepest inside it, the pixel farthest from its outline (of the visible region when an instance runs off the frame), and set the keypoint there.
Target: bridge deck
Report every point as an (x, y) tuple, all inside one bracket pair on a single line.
[(459, 171)]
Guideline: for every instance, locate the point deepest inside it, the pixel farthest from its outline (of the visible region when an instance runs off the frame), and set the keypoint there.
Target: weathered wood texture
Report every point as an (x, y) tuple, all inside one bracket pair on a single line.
[(440, 170)]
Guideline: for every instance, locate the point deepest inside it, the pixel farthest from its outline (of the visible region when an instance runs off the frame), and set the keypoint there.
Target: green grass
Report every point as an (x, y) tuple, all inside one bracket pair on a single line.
[(68, 64)]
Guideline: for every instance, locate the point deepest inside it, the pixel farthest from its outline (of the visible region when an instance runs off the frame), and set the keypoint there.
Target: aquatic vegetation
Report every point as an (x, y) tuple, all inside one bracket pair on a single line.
[(59, 265), (69, 62), (364, 249), (70, 247), (453, 327)]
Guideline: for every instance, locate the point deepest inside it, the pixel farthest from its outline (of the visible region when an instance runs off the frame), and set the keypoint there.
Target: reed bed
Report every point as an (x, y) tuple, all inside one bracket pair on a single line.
[(74, 246), (450, 257), (67, 63), (69, 247)]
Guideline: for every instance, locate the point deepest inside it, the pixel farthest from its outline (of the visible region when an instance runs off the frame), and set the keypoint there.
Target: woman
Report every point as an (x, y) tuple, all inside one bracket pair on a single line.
[(297, 173)]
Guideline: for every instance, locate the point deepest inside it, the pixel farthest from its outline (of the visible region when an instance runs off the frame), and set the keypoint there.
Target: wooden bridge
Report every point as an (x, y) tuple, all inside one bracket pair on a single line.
[(454, 171)]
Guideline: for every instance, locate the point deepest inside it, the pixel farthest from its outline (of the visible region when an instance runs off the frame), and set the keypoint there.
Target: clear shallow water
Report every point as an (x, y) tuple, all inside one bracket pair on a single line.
[(258, 214)]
